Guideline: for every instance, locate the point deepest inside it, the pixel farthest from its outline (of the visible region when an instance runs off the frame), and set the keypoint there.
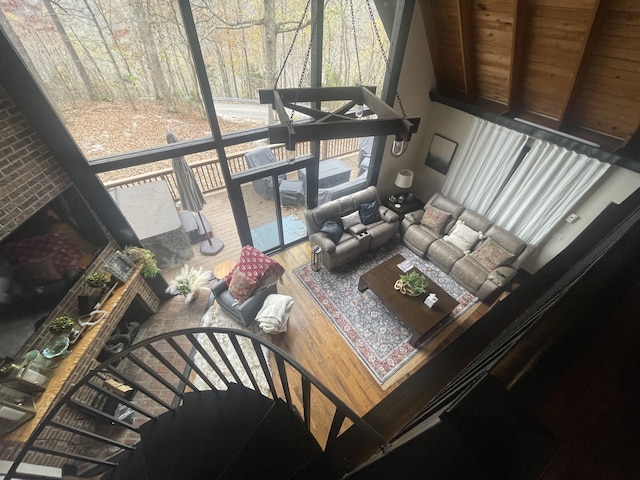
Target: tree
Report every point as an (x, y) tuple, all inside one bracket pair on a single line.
[(72, 53)]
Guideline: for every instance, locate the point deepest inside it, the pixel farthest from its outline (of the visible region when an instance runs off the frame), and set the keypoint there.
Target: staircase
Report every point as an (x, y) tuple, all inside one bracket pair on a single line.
[(192, 404), (230, 434)]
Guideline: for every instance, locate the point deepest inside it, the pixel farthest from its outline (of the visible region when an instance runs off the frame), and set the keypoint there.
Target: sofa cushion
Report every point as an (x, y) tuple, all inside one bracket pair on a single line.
[(462, 236), (350, 220), (444, 254), (369, 212), (447, 204), (506, 240), (491, 255), (434, 218), (476, 221), (333, 230)]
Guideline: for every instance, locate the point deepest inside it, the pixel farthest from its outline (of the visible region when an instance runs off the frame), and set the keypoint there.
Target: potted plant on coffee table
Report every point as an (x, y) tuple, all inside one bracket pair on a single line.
[(413, 283)]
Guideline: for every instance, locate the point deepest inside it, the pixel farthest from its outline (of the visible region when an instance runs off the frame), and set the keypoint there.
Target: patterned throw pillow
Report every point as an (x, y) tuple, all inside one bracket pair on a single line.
[(434, 218), (491, 255), (241, 286), (462, 236), (254, 270)]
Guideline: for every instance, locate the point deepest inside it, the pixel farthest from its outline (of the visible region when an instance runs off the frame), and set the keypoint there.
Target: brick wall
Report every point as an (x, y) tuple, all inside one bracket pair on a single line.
[(30, 177)]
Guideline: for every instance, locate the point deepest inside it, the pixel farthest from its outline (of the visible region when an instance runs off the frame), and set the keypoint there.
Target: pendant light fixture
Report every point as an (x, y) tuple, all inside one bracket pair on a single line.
[(362, 113)]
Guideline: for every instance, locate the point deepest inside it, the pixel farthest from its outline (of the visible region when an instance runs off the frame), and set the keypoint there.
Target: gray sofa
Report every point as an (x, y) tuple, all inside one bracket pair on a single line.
[(480, 256), (350, 242)]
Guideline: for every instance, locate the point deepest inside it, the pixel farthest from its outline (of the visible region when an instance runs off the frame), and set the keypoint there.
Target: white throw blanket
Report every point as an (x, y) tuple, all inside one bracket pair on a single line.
[(273, 317)]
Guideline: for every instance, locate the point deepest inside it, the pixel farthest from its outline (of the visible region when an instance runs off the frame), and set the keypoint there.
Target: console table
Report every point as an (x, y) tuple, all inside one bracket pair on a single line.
[(82, 357)]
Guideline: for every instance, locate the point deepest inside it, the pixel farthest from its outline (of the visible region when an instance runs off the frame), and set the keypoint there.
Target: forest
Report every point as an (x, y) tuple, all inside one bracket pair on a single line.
[(132, 58)]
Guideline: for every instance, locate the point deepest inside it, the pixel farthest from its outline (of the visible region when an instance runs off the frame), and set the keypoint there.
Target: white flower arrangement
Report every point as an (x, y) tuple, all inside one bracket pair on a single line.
[(188, 282)]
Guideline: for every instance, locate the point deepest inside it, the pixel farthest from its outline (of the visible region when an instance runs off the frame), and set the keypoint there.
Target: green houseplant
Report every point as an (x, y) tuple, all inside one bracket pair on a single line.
[(146, 257), (61, 327), (413, 283), (98, 279)]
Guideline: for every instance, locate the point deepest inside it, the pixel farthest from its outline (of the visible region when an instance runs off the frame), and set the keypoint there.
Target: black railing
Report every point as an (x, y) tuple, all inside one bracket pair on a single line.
[(98, 421)]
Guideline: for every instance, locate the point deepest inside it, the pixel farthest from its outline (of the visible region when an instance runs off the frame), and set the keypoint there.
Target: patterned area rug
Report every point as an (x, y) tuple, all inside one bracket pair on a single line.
[(378, 337)]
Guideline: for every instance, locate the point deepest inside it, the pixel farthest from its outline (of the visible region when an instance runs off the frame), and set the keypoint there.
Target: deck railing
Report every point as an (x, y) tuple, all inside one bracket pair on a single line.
[(208, 173)]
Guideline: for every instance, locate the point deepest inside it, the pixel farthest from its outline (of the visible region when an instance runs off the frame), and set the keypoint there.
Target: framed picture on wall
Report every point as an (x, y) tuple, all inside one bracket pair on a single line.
[(440, 153)]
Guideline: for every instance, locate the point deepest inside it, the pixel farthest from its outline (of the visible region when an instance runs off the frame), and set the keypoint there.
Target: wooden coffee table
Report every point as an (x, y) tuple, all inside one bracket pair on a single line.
[(422, 320)]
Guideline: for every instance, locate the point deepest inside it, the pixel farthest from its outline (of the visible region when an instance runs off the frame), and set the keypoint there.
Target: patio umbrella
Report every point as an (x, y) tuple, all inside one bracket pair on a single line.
[(191, 198)]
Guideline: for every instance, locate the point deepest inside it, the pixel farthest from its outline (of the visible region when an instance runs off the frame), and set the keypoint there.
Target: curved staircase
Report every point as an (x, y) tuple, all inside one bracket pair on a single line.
[(200, 403), (229, 434)]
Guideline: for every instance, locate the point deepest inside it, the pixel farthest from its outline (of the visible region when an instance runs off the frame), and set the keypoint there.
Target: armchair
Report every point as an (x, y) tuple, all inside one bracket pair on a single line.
[(243, 291), (245, 312)]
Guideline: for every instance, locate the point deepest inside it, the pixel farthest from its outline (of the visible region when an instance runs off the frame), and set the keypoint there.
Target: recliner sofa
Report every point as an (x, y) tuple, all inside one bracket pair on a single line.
[(480, 256), (347, 227)]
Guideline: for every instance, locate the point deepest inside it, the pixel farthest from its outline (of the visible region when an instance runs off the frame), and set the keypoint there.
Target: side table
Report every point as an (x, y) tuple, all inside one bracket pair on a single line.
[(223, 268), (401, 209)]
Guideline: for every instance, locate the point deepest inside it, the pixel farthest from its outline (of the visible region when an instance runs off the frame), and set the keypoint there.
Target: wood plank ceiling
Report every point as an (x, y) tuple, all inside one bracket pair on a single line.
[(570, 65)]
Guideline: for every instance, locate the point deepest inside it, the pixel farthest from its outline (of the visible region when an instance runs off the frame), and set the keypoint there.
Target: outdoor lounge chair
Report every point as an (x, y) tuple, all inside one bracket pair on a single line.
[(259, 158)]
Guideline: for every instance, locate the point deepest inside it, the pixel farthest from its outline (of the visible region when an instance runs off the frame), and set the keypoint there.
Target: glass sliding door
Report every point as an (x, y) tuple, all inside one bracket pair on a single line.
[(275, 208)]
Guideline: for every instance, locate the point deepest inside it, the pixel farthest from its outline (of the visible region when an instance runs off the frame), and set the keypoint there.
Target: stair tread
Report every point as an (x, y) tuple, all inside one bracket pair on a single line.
[(278, 448), (204, 434)]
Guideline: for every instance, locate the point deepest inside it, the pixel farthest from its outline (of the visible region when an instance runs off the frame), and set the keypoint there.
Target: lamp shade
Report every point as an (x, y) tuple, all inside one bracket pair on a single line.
[(404, 179)]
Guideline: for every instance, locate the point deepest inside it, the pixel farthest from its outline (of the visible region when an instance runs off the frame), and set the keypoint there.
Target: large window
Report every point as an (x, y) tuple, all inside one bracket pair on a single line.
[(121, 73)]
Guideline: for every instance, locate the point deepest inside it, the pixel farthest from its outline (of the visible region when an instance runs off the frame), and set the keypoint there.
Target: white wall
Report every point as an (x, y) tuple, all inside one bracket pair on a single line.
[(417, 79)]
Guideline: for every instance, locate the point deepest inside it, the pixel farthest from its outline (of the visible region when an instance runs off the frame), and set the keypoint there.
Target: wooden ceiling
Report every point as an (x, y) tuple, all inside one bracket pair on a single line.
[(569, 65)]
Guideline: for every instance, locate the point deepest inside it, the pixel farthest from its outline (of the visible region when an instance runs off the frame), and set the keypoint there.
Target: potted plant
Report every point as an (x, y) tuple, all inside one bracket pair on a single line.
[(413, 283), (60, 327), (98, 280), (146, 257)]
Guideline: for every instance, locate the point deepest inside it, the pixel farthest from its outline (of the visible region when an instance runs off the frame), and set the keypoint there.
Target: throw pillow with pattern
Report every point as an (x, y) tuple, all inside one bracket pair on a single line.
[(491, 255), (434, 218)]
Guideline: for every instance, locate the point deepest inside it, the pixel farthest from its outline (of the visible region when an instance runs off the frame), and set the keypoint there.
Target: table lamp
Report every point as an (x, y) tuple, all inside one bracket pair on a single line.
[(404, 180)]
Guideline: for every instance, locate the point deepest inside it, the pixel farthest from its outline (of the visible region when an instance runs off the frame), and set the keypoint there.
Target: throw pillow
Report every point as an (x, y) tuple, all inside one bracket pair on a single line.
[(333, 230), (241, 286), (350, 220), (462, 236), (434, 218), (369, 212), (491, 255)]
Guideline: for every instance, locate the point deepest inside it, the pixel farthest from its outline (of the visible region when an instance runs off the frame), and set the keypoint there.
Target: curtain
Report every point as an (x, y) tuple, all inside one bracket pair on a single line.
[(543, 190), (485, 160)]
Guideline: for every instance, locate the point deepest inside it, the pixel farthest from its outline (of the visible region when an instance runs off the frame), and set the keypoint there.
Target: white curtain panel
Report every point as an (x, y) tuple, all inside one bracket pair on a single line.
[(484, 161), (542, 191)]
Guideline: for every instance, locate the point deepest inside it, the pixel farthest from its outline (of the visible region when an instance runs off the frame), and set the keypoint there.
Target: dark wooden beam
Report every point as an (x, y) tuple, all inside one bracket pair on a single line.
[(467, 45)]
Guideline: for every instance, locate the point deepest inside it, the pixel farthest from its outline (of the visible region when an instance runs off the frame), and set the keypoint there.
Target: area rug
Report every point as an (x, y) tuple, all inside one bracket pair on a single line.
[(266, 236), (373, 332), (216, 317)]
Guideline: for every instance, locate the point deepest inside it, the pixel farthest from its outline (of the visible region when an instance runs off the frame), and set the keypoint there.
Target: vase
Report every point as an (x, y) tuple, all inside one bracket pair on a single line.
[(57, 347)]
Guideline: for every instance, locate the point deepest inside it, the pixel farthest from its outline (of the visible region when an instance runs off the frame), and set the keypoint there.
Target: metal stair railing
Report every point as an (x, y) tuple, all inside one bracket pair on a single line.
[(98, 421)]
